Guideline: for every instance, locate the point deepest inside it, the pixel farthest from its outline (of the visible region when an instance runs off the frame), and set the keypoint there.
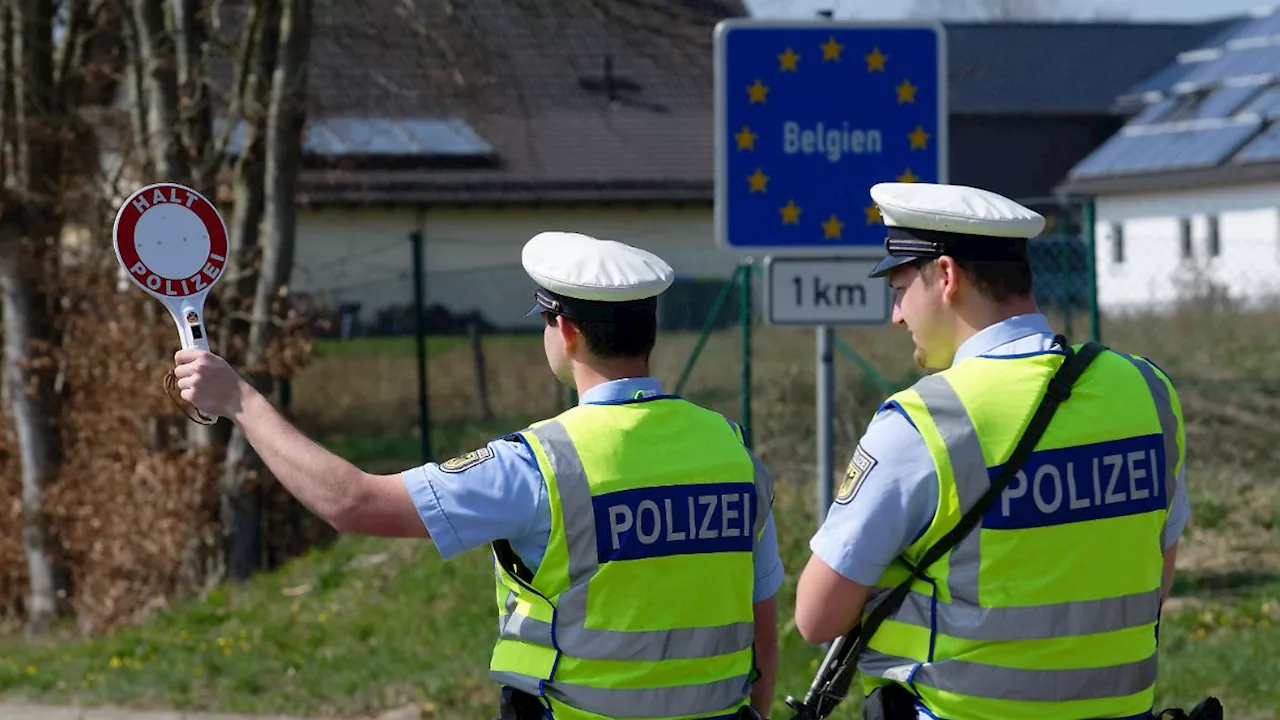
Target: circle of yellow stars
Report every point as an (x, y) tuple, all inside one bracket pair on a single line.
[(789, 62)]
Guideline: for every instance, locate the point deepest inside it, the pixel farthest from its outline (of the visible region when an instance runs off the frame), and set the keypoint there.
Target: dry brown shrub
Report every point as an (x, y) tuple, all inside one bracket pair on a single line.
[(132, 525)]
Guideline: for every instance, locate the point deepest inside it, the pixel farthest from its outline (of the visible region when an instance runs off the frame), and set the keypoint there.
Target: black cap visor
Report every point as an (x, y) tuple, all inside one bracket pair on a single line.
[(889, 262), (907, 245), (597, 310)]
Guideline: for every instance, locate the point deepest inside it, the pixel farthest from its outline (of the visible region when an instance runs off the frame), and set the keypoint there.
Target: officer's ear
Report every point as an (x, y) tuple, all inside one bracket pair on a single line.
[(948, 273), (570, 334)]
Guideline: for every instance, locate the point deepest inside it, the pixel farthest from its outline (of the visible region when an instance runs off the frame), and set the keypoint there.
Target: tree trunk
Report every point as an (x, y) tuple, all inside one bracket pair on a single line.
[(26, 391), (194, 108), (285, 116), (160, 78), (28, 220)]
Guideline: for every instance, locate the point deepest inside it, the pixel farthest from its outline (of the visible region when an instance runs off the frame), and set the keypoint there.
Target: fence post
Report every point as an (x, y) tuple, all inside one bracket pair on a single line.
[(1066, 271), (707, 326), (1095, 324), (420, 338), (746, 350)]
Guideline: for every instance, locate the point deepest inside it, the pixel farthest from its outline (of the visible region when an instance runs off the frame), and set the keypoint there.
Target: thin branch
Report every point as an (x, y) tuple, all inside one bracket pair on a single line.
[(249, 38), (194, 104), (137, 92), (155, 47), (33, 29), (77, 18), (8, 105)]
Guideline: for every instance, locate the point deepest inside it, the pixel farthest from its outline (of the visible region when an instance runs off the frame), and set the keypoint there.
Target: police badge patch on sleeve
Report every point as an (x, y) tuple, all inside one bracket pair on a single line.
[(467, 461), (859, 467)]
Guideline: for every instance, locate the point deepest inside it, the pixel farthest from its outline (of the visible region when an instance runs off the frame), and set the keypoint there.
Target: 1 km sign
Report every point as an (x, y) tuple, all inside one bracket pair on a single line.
[(171, 240)]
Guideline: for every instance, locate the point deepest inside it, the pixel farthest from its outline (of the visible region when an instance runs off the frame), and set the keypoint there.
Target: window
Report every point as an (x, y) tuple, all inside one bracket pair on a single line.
[(1184, 238), (1117, 243), (1215, 246)]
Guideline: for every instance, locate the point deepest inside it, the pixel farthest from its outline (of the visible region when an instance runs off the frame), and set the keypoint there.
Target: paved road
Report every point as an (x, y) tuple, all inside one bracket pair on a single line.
[(19, 711), (45, 712)]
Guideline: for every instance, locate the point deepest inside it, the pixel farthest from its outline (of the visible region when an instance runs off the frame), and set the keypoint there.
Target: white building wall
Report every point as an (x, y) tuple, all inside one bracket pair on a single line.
[(1154, 271), (473, 255)]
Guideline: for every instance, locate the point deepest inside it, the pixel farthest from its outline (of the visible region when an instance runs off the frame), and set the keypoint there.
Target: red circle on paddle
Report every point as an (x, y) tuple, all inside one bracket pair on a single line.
[(171, 240)]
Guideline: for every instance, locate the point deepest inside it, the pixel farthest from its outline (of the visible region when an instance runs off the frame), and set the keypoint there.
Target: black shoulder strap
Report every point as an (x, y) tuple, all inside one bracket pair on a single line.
[(510, 561), (1058, 391)]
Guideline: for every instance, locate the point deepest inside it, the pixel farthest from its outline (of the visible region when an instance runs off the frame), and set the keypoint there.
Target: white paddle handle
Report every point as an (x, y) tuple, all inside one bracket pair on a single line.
[(192, 329), (194, 335)]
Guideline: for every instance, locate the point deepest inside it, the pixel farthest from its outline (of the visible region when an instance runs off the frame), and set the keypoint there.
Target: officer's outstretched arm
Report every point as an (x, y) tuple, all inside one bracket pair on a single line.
[(349, 499), (828, 604)]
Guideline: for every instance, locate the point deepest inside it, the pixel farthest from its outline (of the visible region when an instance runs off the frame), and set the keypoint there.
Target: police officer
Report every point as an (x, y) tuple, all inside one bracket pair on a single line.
[(635, 552), (1048, 609)]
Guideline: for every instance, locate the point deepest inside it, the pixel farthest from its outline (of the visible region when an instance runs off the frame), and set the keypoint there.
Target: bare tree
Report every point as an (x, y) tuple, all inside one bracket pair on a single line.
[(174, 121), (43, 86)]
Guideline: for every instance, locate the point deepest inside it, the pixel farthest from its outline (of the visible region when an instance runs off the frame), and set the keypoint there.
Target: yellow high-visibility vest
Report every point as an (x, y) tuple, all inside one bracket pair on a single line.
[(1048, 608), (642, 605)]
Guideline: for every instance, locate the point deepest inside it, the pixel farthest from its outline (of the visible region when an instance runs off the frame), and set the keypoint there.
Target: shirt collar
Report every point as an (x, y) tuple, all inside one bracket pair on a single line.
[(624, 389), (1003, 333)]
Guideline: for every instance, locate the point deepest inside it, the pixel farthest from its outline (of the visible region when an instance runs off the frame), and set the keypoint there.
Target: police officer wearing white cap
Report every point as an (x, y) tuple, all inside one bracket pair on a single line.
[(635, 551), (1048, 608)]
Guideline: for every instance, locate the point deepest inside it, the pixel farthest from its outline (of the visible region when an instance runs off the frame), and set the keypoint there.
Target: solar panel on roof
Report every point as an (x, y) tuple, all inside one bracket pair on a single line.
[(1161, 81), (452, 137), (1236, 63), (1155, 111), (1264, 148), (1261, 27), (404, 137), (1128, 153), (340, 136), (1266, 104), (1222, 102)]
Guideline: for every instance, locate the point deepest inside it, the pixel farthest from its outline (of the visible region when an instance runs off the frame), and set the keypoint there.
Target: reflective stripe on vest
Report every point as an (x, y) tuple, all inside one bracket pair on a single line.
[(1017, 684), (560, 623), (679, 700), (966, 618)]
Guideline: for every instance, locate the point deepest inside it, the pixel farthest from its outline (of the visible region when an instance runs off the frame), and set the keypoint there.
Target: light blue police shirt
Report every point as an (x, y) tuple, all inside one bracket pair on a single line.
[(895, 501), (505, 497)]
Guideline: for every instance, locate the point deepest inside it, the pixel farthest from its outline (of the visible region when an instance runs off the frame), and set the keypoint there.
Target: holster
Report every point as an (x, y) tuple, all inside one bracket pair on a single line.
[(519, 705), (889, 702), (1208, 709)]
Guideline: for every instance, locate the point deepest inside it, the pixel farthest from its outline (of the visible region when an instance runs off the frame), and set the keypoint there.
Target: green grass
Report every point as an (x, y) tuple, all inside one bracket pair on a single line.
[(368, 624)]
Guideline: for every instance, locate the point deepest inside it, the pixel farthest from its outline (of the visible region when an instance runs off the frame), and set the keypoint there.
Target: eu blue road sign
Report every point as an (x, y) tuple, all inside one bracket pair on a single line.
[(810, 115)]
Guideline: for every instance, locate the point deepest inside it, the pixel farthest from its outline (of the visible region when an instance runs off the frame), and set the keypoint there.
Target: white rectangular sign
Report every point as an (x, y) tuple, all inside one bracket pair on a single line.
[(825, 291)]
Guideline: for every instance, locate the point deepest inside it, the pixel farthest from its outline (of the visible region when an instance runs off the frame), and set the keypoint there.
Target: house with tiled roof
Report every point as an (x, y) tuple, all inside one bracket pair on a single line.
[(598, 116), (1187, 193), (479, 124), (482, 123)]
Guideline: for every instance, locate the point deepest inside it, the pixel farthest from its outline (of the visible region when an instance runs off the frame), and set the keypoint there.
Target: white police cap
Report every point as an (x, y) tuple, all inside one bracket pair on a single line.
[(588, 278), (929, 220)]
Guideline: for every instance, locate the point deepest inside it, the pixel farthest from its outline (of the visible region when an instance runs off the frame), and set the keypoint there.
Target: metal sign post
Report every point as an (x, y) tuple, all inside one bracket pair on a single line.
[(810, 115)]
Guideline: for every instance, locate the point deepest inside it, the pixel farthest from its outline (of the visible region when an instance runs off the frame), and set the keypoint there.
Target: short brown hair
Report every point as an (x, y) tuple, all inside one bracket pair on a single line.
[(1000, 281), (627, 336)]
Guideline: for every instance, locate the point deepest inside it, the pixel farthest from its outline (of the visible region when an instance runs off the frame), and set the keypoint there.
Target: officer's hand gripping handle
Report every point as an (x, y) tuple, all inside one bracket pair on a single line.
[(831, 682)]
